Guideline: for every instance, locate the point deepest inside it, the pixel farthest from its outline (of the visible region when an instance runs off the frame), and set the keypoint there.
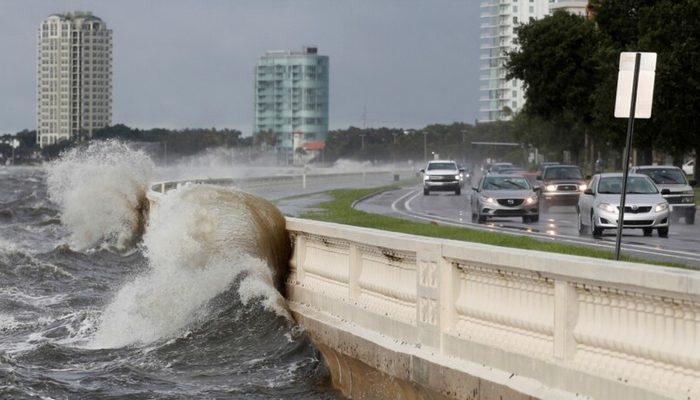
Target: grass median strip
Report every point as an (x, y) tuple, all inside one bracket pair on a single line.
[(339, 210)]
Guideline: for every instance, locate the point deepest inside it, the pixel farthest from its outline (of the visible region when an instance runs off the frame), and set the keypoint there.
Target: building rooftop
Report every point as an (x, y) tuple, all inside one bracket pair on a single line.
[(87, 15), (306, 51)]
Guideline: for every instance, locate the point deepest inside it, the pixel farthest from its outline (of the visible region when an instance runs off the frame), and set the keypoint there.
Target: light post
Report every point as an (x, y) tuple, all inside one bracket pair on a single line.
[(464, 150), (394, 149), (15, 144)]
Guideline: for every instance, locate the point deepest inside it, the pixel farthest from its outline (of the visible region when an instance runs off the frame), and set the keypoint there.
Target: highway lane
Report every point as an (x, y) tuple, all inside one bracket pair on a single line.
[(558, 224)]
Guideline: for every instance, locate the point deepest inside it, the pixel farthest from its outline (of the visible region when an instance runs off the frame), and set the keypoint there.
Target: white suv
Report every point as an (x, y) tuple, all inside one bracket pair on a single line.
[(442, 175)]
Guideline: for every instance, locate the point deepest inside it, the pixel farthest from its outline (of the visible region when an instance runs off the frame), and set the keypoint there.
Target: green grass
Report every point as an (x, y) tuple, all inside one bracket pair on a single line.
[(339, 210)]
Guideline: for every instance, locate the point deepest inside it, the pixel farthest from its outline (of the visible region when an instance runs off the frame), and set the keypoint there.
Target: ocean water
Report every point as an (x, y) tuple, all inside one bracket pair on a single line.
[(91, 307)]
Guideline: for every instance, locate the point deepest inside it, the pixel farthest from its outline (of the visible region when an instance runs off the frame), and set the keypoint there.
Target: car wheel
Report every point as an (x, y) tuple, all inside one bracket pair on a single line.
[(663, 232), (595, 230), (535, 218), (526, 219), (458, 191), (481, 219), (426, 192), (690, 218), (647, 231), (581, 226), (474, 217)]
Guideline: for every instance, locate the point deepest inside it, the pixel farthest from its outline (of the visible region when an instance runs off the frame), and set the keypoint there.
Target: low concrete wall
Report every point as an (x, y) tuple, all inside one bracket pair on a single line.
[(401, 316), (265, 181)]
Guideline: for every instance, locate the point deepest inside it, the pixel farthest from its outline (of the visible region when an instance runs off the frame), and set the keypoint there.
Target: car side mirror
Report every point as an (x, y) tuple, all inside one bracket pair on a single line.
[(422, 171), (588, 177), (588, 191), (665, 192), (539, 177), (693, 182), (475, 188), (461, 170), (537, 188)]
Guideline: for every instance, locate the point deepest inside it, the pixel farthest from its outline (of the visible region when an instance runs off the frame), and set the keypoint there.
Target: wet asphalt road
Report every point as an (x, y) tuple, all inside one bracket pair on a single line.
[(558, 224)]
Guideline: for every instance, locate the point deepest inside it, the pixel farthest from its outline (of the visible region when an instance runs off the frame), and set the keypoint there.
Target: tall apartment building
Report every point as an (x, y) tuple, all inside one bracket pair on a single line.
[(74, 77), (499, 20), (291, 97)]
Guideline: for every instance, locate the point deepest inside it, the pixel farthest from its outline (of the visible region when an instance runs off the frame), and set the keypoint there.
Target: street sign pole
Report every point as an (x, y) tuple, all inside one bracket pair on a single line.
[(628, 148)]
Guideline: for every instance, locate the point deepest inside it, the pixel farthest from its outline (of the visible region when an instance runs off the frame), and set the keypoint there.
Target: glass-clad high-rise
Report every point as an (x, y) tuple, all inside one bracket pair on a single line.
[(291, 97)]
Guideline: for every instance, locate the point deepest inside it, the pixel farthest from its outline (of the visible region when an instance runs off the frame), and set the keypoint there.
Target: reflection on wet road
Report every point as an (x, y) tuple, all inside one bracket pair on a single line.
[(558, 224)]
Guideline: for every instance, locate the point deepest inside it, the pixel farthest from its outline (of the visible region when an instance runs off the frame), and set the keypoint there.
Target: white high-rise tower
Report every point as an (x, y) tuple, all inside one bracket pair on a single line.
[(74, 77), (499, 97)]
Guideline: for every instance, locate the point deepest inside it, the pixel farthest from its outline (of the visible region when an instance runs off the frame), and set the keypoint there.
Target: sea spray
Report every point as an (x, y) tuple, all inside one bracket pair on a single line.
[(200, 238), (100, 189)]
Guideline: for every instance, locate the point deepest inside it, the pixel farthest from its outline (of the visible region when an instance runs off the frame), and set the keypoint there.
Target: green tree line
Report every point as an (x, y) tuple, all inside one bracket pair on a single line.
[(176, 143), (454, 141), (569, 67)]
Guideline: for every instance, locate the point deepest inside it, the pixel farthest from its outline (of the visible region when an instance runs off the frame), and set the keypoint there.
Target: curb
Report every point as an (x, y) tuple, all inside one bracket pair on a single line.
[(365, 197)]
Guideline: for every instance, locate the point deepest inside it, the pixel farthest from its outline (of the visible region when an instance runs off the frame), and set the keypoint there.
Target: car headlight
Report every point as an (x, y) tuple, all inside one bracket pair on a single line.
[(550, 188), (489, 200), (531, 200), (608, 208), (583, 187), (661, 207), (426, 177), (458, 176), (467, 175)]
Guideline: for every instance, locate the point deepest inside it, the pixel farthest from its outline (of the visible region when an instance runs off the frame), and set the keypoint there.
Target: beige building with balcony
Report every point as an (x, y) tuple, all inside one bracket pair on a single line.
[(74, 77)]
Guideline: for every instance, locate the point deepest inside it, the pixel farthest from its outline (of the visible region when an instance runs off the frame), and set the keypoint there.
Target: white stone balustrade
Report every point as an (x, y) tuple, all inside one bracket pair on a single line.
[(575, 325)]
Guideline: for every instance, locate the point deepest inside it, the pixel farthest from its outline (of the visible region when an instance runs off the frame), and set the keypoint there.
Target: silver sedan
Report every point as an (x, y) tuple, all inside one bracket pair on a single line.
[(504, 196), (645, 208)]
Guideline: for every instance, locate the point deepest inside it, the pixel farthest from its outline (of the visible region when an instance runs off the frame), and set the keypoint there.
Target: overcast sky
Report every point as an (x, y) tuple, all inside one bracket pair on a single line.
[(180, 63)]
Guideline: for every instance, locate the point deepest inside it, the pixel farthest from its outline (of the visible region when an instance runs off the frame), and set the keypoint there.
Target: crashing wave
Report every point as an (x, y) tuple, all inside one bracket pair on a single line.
[(101, 192), (199, 240)]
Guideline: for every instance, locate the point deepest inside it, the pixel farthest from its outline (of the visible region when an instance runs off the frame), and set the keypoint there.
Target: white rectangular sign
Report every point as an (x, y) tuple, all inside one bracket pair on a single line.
[(645, 87)]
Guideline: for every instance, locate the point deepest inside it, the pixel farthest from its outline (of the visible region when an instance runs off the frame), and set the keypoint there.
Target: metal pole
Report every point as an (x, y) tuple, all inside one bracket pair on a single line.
[(394, 150), (626, 161), (425, 147)]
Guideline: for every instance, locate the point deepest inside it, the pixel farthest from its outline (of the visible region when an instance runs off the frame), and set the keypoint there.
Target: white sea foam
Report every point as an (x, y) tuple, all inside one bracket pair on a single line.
[(197, 244), (100, 190)]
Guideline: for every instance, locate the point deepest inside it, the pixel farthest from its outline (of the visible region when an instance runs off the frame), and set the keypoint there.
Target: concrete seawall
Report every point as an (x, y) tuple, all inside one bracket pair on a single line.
[(399, 316)]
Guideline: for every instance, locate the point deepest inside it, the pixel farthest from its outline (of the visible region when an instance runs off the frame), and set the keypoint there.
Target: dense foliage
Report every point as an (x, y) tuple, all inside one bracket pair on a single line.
[(454, 141), (569, 67)]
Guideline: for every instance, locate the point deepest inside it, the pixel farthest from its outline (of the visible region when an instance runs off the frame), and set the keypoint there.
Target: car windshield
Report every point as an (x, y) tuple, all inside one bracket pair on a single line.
[(635, 185), (665, 176), (559, 173), (505, 183), (442, 165)]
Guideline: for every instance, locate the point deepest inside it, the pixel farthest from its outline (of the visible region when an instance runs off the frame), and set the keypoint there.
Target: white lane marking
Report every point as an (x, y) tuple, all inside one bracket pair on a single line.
[(408, 202), (393, 204), (683, 255)]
